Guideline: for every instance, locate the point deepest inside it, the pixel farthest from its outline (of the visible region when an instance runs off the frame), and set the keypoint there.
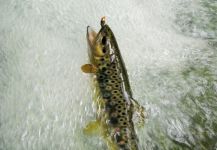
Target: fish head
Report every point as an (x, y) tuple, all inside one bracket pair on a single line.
[(99, 44)]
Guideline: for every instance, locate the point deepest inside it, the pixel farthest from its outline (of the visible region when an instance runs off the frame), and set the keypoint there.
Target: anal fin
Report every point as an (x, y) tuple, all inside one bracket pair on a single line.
[(96, 127), (92, 128)]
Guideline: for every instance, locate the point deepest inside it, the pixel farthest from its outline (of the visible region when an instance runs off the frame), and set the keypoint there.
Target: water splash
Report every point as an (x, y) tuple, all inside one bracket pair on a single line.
[(169, 48)]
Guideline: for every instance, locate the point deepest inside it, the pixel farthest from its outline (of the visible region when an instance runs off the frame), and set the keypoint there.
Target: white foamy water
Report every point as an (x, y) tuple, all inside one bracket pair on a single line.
[(45, 99)]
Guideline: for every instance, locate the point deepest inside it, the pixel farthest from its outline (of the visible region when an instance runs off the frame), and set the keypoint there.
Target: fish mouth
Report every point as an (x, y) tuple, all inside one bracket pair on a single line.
[(91, 40), (91, 36)]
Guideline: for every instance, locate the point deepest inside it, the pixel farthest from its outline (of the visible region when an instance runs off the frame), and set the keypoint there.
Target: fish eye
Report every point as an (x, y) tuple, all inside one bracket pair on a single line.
[(104, 40)]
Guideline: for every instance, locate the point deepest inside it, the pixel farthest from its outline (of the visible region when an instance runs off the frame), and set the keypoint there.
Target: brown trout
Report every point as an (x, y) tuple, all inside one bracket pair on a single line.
[(112, 92)]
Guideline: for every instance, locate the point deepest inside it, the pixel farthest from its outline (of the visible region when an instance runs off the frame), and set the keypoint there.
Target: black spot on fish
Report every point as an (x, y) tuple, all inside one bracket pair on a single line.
[(109, 88), (123, 113), (121, 120), (106, 94), (104, 40), (117, 137), (113, 102), (114, 77), (113, 120), (102, 84), (113, 114), (101, 77), (109, 107), (104, 50), (108, 72), (103, 69)]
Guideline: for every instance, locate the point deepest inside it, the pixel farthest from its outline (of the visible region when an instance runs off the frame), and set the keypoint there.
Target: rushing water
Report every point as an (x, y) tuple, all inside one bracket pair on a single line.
[(169, 48)]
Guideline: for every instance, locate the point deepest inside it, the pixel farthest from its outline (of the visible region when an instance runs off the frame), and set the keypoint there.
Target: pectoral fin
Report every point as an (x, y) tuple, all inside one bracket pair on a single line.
[(89, 68), (140, 112)]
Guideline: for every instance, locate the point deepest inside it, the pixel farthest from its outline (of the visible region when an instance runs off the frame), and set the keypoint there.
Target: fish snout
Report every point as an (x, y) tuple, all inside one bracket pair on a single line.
[(91, 36)]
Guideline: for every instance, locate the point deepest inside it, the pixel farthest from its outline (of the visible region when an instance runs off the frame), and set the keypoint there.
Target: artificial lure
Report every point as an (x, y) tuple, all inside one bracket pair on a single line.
[(112, 92)]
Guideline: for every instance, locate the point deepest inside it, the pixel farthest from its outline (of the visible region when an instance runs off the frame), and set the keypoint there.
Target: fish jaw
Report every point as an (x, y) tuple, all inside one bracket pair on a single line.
[(91, 40)]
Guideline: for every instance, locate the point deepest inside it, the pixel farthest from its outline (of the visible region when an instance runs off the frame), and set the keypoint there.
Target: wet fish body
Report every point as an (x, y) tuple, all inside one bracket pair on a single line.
[(113, 95)]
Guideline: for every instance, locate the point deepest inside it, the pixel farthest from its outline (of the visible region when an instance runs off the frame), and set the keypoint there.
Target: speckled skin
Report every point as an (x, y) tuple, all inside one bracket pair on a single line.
[(115, 107)]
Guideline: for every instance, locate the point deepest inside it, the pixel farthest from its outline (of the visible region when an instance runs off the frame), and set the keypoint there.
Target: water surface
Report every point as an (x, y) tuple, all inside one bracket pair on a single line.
[(169, 48)]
